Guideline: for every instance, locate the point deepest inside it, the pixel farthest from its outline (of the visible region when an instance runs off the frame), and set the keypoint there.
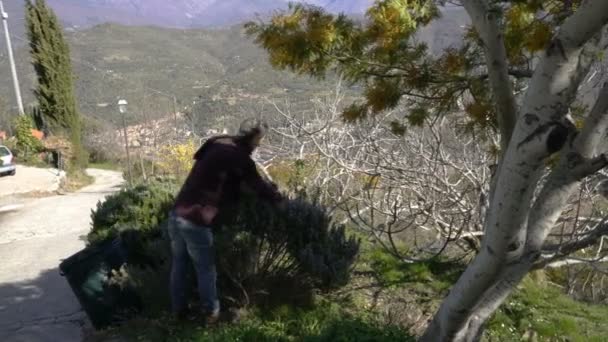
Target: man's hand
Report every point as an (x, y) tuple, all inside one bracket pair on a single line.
[(209, 212)]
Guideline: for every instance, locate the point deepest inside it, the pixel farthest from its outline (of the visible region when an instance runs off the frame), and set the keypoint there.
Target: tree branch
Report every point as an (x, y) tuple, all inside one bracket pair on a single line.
[(569, 262), (487, 24), (517, 73), (561, 251), (560, 70), (596, 125)]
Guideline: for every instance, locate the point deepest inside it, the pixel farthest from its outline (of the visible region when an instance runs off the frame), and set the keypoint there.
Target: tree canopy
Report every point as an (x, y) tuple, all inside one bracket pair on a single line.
[(382, 53), (51, 60)]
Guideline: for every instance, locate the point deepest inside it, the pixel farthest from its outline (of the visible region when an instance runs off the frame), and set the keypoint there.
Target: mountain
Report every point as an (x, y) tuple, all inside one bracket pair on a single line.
[(168, 13), (175, 13), (112, 60), (182, 13), (357, 7)]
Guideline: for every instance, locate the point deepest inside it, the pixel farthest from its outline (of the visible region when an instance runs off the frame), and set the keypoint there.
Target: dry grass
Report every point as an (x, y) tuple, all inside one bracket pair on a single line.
[(76, 180)]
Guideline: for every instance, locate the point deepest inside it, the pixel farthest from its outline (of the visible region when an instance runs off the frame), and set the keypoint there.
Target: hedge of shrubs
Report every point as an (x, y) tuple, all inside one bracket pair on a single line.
[(264, 257), (143, 208)]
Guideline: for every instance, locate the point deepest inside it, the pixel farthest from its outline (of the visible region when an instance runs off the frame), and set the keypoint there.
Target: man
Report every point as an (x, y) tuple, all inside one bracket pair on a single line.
[(211, 191)]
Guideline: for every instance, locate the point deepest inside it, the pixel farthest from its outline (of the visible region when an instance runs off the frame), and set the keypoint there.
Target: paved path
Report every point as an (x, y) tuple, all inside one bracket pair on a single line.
[(29, 179), (36, 303)]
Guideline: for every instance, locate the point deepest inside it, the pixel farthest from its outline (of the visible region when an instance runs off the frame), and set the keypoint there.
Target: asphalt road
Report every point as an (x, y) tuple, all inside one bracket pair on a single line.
[(36, 302), (29, 179)]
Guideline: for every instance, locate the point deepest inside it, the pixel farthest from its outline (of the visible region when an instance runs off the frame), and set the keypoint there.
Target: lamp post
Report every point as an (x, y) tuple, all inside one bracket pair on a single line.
[(11, 59), (122, 108)]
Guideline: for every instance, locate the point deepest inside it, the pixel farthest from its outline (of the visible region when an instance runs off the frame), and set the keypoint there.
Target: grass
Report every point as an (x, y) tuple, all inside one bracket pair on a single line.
[(436, 275), (544, 313), (327, 322), (536, 311), (75, 180), (110, 166)]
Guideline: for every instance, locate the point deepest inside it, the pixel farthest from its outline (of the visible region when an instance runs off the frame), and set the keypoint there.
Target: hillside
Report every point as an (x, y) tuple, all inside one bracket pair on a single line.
[(112, 61)]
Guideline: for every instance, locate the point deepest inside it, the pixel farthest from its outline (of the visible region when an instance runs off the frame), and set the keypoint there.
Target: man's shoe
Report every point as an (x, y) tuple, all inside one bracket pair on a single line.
[(212, 319)]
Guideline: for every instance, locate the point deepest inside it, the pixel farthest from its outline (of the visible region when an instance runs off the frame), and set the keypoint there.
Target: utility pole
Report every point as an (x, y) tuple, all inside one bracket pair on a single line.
[(11, 59)]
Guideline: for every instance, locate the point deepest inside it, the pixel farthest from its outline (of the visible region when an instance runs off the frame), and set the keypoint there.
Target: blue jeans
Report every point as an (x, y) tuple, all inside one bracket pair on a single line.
[(192, 242)]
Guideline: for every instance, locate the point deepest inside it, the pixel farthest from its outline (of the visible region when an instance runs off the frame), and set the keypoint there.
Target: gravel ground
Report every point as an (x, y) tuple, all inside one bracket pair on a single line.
[(36, 302)]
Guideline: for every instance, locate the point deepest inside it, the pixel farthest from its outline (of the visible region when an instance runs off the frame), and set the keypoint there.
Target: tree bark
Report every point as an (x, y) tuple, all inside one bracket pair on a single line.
[(489, 29)]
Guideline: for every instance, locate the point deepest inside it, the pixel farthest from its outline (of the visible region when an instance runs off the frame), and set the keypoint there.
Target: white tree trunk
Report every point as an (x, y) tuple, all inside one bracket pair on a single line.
[(518, 222)]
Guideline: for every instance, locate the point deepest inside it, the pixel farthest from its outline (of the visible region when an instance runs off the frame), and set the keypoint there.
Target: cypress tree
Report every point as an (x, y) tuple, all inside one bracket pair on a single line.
[(55, 89)]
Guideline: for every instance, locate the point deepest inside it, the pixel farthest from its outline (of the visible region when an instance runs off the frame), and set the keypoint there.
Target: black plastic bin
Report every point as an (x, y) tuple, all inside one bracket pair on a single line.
[(88, 272)]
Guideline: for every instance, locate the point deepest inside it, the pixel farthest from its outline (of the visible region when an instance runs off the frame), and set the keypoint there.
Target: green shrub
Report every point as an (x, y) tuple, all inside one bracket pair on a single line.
[(261, 251), (268, 251), (142, 208), (24, 145), (26, 142)]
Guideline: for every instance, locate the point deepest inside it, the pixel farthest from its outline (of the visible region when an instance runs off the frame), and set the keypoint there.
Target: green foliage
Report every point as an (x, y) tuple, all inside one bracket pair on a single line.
[(264, 249), (381, 55), (55, 90), (309, 41), (417, 116), (398, 128), (544, 311), (436, 274), (322, 247), (38, 119), (326, 322), (142, 208), (138, 216), (148, 270), (5, 115), (26, 142)]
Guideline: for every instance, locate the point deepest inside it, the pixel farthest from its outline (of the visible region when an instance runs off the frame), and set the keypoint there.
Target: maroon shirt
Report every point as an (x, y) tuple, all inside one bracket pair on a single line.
[(221, 166)]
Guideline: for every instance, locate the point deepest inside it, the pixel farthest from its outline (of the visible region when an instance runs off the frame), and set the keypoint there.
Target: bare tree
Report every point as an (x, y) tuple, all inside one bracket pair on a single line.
[(422, 187)]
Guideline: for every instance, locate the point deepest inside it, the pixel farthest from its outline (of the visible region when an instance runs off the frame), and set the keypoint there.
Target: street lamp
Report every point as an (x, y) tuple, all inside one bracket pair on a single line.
[(122, 108)]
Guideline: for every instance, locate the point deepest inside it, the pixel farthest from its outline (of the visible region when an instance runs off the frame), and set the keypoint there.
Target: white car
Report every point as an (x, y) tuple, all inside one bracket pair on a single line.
[(7, 167)]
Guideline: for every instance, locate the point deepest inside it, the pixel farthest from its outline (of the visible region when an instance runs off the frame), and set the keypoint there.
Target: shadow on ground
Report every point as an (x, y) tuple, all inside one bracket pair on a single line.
[(40, 310)]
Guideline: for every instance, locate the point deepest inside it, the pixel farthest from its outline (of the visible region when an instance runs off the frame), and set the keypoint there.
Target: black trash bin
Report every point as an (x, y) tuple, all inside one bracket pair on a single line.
[(88, 272)]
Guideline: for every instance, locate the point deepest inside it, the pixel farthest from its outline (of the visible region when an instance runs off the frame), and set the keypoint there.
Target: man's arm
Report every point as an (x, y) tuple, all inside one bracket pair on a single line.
[(262, 188)]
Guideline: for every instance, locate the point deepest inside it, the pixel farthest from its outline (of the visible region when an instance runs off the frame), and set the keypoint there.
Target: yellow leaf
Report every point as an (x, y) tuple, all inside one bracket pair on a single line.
[(538, 37)]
